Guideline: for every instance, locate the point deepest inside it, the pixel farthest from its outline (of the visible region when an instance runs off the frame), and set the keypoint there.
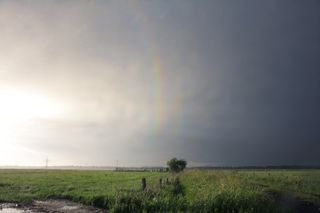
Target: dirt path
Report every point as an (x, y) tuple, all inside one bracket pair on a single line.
[(49, 206), (64, 206)]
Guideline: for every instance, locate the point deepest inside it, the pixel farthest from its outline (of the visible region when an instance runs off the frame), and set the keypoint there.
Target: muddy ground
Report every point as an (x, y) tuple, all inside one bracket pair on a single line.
[(49, 206)]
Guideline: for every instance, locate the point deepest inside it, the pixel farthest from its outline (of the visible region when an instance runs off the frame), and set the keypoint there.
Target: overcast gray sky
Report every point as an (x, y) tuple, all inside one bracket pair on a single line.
[(215, 82)]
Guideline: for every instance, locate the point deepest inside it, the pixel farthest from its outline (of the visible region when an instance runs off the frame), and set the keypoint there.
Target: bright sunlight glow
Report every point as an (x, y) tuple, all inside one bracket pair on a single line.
[(21, 106), (18, 109)]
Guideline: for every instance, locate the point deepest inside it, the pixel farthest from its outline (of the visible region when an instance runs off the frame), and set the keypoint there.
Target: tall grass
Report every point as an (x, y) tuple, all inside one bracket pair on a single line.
[(191, 191)]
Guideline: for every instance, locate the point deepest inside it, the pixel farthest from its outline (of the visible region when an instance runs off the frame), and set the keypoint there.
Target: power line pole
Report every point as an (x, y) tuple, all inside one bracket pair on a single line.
[(47, 162)]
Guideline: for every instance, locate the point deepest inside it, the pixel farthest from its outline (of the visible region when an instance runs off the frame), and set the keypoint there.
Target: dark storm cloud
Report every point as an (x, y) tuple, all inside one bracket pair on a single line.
[(240, 80), (255, 83)]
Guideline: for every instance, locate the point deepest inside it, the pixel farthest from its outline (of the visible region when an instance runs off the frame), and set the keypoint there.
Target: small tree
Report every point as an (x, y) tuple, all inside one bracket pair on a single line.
[(176, 165)]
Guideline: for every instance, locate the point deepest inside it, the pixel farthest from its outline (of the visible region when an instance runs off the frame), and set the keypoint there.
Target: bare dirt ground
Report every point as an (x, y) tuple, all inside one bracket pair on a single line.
[(64, 206)]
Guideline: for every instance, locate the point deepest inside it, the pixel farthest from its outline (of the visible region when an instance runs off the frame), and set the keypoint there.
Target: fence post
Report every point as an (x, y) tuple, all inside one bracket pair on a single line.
[(160, 181), (144, 183)]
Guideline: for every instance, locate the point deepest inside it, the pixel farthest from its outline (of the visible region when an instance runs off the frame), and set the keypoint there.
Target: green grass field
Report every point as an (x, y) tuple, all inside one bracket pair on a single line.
[(196, 191)]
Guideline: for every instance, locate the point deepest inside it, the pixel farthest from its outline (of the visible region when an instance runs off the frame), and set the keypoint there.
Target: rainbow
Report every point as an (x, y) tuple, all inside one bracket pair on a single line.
[(157, 69)]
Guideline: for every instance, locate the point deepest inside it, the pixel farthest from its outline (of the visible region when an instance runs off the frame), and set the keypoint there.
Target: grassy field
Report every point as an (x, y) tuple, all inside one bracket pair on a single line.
[(190, 191)]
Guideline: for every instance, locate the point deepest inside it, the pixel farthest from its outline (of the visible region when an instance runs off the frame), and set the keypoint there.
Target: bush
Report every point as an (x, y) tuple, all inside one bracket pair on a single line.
[(176, 165)]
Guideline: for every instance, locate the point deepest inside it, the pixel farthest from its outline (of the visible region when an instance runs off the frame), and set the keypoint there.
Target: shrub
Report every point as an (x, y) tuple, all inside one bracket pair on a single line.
[(176, 165)]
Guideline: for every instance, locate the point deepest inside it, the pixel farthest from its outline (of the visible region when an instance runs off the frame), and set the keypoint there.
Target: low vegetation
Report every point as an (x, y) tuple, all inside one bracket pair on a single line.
[(188, 191)]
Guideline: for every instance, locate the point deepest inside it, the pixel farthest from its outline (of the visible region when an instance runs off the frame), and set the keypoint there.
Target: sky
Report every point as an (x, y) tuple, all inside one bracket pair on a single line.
[(218, 83)]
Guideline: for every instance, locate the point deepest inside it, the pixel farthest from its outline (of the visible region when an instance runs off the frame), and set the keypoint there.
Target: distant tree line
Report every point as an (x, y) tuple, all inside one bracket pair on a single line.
[(256, 167)]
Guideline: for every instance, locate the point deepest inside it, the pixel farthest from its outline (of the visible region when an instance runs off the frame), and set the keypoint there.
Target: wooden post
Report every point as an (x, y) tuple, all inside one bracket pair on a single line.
[(177, 180), (144, 183), (160, 182)]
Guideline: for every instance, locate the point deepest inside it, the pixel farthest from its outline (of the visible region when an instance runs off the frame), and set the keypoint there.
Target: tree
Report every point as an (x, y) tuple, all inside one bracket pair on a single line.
[(176, 165)]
